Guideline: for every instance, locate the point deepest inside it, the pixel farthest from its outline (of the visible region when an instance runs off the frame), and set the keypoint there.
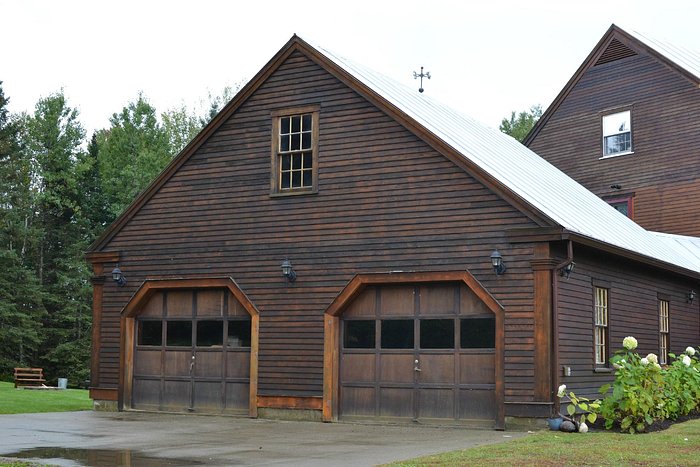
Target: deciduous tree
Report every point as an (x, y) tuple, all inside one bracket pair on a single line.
[(181, 126), (131, 153)]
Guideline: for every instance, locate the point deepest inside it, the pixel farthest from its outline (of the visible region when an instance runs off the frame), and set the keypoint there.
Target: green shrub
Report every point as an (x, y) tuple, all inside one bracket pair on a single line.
[(643, 392), (682, 384), (637, 394)]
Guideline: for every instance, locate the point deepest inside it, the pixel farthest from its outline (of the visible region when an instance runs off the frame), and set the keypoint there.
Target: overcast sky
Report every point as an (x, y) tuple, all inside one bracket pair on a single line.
[(486, 58)]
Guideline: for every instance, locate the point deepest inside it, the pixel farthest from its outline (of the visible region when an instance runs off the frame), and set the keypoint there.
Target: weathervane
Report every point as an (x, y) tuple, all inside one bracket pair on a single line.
[(421, 76)]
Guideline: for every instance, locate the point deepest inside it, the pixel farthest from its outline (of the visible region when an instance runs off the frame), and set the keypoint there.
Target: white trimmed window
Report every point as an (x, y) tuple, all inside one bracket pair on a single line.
[(617, 133), (600, 327), (663, 332)]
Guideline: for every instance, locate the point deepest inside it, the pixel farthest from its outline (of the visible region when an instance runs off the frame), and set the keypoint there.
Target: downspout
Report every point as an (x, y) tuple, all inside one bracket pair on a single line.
[(555, 322)]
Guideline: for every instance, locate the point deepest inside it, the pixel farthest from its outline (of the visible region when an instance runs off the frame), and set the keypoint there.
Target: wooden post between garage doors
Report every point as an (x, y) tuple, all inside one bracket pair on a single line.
[(543, 267)]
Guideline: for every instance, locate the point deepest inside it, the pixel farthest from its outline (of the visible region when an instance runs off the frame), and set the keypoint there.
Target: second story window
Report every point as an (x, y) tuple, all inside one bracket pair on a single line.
[(294, 152), (617, 133)]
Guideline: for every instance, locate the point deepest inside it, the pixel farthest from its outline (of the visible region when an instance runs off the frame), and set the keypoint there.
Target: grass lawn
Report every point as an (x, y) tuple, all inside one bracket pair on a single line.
[(32, 401), (679, 445)]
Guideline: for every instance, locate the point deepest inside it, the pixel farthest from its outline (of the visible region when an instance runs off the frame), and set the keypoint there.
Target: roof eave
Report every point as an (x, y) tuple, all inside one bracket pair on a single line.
[(625, 253), (554, 234)]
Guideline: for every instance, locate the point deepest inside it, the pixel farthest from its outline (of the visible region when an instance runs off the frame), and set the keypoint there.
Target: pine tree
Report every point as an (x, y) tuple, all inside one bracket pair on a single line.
[(21, 308), (53, 139), (92, 200)]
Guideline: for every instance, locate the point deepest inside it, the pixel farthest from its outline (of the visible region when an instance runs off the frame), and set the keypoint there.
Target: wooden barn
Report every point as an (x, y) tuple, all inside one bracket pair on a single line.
[(336, 246), (627, 127)]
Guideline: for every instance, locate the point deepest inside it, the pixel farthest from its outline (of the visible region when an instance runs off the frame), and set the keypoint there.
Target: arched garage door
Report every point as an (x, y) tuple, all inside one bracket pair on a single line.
[(420, 352), (192, 352)]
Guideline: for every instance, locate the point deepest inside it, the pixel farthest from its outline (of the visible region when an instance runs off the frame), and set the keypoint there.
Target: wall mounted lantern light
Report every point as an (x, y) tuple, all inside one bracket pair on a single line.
[(691, 296), (497, 263), (288, 271), (566, 270), (118, 277)]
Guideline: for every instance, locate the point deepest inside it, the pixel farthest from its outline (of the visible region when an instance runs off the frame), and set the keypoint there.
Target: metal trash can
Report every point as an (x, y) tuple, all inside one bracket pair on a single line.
[(62, 383)]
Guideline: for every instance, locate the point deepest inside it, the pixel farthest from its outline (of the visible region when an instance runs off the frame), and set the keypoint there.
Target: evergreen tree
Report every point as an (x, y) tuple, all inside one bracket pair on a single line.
[(92, 200), (21, 314), (53, 142), (21, 308)]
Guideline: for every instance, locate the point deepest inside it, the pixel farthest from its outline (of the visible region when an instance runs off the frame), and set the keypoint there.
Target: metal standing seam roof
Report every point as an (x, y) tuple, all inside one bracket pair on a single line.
[(526, 174), (683, 244)]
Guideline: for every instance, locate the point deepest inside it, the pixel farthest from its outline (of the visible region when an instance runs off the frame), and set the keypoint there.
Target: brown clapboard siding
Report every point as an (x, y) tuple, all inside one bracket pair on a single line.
[(633, 310), (663, 173), (386, 201)]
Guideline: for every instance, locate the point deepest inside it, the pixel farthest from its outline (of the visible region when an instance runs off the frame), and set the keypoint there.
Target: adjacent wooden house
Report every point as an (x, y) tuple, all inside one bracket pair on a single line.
[(626, 127), (337, 245)]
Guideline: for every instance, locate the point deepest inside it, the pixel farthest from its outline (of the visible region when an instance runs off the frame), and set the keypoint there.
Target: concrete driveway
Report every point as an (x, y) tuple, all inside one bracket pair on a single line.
[(138, 438)]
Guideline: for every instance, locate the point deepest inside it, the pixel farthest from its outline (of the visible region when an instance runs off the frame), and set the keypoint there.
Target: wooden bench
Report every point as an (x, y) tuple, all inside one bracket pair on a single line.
[(29, 377)]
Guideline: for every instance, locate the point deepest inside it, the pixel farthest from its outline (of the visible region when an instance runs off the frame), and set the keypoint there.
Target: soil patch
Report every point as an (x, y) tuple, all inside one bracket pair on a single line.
[(658, 425)]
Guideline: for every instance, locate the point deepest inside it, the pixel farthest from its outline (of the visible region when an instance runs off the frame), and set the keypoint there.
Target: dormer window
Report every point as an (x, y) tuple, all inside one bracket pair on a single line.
[(294, 151), (617, 134)]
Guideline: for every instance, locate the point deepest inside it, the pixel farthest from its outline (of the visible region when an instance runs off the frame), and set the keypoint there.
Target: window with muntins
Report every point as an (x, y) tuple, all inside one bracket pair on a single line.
[(294, 153), (663, 332), (617, 134), (600, 338)]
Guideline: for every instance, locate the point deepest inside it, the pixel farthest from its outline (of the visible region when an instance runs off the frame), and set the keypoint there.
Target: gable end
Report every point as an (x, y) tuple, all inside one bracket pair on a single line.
[(613, 46)]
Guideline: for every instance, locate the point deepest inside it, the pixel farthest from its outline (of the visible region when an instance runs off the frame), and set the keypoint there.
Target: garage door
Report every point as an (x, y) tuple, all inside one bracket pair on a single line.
[(192, 353), (424, 352)]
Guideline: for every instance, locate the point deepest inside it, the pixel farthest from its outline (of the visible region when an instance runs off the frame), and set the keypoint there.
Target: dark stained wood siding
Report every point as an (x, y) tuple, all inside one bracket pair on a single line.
[(386, 201), (633, 311), (663, 174)]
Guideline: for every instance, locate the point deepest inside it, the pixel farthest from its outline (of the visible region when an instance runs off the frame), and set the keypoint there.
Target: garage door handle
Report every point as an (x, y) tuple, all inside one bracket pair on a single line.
[(192, 364), (415, 368)]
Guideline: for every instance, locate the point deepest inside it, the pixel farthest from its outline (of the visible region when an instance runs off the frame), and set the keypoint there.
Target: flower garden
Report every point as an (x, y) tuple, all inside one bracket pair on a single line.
[(643, 392)]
